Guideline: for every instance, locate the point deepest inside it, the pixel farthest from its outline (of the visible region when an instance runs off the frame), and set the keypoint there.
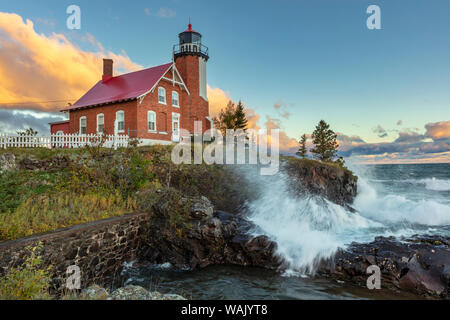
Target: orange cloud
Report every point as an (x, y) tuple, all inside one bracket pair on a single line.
[(438, 130), (35, 67), (218, 100), (286, 143)]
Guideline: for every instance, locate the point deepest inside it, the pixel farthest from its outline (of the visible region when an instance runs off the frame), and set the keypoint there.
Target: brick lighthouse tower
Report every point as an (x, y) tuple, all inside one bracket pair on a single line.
[(190, 57)]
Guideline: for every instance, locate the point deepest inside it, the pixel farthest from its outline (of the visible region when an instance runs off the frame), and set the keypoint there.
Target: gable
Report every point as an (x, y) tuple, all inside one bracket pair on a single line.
[(121, 88)]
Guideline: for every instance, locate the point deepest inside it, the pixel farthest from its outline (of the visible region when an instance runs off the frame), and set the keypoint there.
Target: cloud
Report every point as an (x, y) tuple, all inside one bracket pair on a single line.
[(286, 144), (380, 131), (281, 107), (409, 136), (35, 67), (218, 99), (438, 130), (163, 12), (12, 121), (409, 147), (166, 13)]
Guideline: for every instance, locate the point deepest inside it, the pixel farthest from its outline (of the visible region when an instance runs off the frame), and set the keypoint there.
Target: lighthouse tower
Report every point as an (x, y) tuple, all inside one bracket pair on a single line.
[(190, 57)]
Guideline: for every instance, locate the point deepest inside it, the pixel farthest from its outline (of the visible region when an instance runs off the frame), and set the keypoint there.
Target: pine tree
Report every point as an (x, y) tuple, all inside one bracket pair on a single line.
[(232, 117), (302, 151), (325, 142), (241, 121)]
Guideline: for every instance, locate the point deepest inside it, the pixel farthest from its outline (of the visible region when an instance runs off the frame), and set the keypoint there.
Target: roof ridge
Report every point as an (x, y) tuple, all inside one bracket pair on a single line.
[(145, 69)]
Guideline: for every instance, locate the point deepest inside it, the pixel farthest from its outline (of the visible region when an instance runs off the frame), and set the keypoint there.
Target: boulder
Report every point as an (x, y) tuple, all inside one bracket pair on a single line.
[(94, 292), (132, 292), (7, 162)]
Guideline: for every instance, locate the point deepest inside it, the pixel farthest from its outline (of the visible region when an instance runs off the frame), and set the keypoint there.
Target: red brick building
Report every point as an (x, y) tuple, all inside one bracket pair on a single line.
[(151, 104)]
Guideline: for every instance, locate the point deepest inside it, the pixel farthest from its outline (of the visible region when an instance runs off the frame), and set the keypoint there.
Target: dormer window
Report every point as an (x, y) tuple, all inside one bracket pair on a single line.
[(162, 95), (175, 99)]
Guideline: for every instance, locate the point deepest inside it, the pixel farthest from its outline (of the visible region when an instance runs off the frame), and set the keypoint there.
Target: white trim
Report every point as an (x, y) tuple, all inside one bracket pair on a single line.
[(165, 95), (81, 118), (142, 96), (162, 132), (178, 99), (118, 130), (184, 85), (148, 121), (98, 115), (173, 67)]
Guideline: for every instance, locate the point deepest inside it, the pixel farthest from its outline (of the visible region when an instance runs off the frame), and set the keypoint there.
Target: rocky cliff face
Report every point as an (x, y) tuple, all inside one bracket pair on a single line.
[(198, 237), (331, 181)]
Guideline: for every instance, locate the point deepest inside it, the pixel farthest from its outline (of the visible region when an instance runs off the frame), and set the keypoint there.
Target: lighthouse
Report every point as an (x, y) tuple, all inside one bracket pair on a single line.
[(190, 58)]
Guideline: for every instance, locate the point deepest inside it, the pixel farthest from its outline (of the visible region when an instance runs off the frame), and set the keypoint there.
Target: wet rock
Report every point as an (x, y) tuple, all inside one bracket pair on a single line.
[(418, 264), (221, 238)]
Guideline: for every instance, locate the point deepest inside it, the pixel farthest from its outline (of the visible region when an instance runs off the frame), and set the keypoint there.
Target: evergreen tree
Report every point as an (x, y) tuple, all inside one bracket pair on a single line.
[(325, 142), (241, 121), (232, 117), (302, 151)]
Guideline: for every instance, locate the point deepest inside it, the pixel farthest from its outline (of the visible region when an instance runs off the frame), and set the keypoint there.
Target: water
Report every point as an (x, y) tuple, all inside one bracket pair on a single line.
[(397, 200)]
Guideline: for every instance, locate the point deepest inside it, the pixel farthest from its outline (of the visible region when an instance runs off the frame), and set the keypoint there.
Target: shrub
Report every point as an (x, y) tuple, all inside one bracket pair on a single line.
[(28, 281)]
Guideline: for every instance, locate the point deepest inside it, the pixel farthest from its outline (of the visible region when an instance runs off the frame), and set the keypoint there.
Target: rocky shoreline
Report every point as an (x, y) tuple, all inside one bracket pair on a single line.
[(420, 265), (189, 233)]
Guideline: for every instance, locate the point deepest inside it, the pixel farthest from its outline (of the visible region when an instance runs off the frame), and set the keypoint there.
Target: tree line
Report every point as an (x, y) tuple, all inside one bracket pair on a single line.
[(324, 138)]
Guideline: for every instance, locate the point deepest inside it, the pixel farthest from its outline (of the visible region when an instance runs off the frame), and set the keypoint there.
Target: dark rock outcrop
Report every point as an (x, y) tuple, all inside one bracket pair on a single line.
[(196, 239), (420, 264), (51, 164), (331, 181)]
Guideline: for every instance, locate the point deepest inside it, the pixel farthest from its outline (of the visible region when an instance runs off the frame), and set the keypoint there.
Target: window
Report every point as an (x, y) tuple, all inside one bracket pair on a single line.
[(83, 125), (100, 123), (162, 95), (175, 99), (120, 117), (151, 121)]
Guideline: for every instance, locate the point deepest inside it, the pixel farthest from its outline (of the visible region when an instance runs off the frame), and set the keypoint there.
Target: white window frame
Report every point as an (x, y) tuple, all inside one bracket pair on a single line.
[(117, 118), (178, 99), (83, 118), (98, 116), (159, 95), (148, 121)]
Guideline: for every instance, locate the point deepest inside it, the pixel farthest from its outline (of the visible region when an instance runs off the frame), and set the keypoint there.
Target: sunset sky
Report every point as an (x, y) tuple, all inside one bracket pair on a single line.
[(386, 92)]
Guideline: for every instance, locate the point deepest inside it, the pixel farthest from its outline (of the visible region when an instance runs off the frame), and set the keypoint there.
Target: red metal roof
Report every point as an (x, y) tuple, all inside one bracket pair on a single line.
[(123, 87)]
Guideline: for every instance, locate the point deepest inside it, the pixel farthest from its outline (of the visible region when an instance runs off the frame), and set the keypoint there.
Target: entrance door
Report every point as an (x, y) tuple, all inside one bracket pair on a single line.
[(175, 127)]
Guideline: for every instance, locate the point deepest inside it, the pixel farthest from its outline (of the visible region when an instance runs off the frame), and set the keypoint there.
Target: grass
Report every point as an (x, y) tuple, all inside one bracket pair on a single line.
[(102, 183), (310, 163)]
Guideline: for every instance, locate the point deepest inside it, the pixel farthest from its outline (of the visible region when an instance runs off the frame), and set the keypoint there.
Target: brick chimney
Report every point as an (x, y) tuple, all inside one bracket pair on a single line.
[(107, 70)]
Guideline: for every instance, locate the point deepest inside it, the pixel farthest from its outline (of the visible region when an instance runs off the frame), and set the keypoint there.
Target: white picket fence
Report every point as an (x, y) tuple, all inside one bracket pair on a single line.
[(63, 141)]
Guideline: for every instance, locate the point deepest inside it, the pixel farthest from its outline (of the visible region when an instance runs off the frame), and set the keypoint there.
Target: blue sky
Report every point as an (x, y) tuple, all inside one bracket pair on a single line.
[(315, 58)]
